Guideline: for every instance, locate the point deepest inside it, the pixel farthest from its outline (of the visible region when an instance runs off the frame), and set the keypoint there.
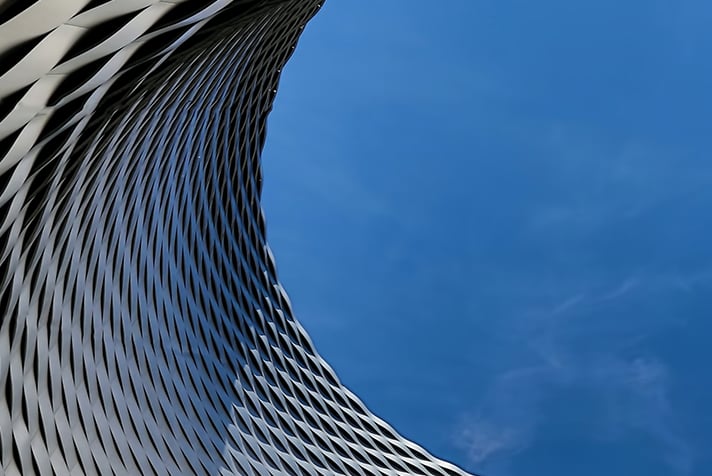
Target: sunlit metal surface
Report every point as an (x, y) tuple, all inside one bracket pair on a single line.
[(144, 330)]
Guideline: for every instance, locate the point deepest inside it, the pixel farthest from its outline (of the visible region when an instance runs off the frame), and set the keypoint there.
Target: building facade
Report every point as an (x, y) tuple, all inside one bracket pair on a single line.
[(144, 330)]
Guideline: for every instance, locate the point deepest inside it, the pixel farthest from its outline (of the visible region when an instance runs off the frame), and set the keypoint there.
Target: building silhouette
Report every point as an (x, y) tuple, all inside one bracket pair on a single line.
[(144, 330)]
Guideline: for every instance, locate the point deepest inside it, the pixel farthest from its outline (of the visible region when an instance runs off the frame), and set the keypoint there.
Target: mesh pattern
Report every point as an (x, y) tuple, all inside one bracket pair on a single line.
[(144, 330)]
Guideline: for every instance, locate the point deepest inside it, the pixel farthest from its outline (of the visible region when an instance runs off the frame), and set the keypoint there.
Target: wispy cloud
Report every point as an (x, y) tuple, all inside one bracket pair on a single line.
[(625, 287), (567, 352), (484, 440), (568, 304), (637, 396), (632, 397), (509, 415)]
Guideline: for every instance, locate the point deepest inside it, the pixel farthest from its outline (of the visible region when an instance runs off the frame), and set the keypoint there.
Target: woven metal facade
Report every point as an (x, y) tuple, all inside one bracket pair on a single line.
[(144, 330)]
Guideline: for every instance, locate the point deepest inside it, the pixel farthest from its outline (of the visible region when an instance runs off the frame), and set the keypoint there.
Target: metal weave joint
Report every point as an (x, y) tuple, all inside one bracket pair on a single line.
[(143, 329)]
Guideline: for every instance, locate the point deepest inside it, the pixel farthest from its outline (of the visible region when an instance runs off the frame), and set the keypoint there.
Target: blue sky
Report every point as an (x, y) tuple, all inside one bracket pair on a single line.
[(493, 218)]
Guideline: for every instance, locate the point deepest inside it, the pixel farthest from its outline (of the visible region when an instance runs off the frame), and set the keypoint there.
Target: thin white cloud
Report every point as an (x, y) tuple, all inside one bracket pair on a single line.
[(637, 396), (626, 286), (483, 440), (632, 396), (568, 304), (569, 351)]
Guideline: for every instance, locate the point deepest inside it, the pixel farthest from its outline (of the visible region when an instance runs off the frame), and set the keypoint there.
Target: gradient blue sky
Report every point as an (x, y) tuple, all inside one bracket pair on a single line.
[(494, 219)]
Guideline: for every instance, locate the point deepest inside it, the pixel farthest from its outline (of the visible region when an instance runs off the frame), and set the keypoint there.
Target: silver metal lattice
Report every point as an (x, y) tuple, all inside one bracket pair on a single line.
[(143, 329)]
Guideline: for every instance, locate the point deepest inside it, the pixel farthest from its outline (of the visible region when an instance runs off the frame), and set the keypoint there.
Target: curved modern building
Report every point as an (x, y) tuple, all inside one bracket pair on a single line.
[(143, 328)]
